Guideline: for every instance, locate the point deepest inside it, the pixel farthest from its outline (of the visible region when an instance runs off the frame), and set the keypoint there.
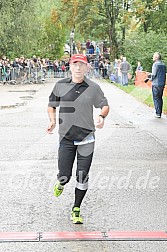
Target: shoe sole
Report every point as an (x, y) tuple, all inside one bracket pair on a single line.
[(77, 222)]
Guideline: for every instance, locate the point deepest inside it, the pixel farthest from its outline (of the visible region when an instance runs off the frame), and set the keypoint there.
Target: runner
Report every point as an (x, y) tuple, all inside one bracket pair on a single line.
[(76, 98)]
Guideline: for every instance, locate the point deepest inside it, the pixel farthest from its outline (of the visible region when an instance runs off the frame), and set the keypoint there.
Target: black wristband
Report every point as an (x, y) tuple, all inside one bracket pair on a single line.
[(102, 116)]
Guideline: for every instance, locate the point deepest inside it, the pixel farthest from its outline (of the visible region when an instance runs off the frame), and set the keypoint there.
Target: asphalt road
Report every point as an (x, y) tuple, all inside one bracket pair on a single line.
[(127, 179)]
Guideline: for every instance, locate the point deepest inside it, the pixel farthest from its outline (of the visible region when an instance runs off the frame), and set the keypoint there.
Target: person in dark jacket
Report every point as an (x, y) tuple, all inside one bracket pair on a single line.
[(91, 49), (158, 77)]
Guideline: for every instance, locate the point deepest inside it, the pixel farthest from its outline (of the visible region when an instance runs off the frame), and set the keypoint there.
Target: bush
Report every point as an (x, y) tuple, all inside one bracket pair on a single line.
[(141, 46)]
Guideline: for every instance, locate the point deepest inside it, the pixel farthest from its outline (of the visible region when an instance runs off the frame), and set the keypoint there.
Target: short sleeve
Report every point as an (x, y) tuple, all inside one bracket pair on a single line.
[(54, 98), (99, 99)]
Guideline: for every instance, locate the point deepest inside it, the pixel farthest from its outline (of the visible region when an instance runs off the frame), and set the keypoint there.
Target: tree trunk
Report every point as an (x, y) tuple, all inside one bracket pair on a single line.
[(145, 27)]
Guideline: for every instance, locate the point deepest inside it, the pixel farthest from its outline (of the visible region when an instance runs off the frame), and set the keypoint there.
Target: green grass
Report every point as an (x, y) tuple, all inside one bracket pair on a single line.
[(142, 94)]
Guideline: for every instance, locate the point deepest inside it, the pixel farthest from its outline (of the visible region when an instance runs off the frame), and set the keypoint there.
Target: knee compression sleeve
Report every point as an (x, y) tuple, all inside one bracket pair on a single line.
[(63, 179), (82, 180)]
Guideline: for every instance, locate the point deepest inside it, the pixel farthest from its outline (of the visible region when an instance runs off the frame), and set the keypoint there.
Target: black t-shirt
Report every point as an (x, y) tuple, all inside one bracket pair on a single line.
[(76, 102)]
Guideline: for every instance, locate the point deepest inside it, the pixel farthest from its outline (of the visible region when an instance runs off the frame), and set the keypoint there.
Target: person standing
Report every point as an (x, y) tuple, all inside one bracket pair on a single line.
[(158, 77), (119, 74), (139, 66), (97, 52), (76, 98), (87, 46), (91, 48), (124, 67)]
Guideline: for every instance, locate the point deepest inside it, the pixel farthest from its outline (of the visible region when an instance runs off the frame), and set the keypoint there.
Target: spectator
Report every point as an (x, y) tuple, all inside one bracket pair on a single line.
[(158, 77), (55, 68), (43, 69), (101, 68), (67, 65), (16, 67), (139, 66), (63, 69), (97, 52), (119, 74), (96, 68), (124, 67), (88, 45), (91, 49)]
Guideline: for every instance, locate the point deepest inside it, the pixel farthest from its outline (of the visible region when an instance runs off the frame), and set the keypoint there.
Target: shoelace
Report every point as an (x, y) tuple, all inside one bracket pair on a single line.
[(77, 213)]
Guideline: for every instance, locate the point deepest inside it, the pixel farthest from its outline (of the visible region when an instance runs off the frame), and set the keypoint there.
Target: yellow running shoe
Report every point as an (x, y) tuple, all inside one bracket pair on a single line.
[(75, 216), (58, 189)]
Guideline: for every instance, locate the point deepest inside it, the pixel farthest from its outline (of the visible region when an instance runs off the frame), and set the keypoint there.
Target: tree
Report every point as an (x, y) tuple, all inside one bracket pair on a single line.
[(55, 36), (33, 27), (17, 26), (150, 14), (141, 46), (27, 27), (97, 19)]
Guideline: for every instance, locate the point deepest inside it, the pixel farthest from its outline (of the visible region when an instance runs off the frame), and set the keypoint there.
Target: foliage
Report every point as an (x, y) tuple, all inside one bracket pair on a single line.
[(28, 28), (16, 30), (141, 46), (55, 38), (136, 28), (150, 14), (94, 19)]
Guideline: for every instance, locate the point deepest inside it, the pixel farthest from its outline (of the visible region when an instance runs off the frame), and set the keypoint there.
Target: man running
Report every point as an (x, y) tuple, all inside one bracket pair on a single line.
[(76, 97)]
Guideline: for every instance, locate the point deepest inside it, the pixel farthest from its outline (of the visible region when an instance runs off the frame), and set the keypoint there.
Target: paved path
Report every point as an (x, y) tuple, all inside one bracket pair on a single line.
[(127, 178), (14, 96)]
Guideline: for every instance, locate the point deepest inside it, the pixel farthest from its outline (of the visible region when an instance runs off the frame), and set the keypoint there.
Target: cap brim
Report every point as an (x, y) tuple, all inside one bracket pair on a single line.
[(74, 61)]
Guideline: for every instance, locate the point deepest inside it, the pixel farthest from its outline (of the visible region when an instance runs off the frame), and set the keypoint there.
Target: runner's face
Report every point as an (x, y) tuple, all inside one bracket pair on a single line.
[(78, 70)]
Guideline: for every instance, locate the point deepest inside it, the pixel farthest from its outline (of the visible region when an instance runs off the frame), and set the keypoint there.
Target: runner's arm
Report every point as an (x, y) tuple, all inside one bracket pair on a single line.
[(52, 117), (101, 117)]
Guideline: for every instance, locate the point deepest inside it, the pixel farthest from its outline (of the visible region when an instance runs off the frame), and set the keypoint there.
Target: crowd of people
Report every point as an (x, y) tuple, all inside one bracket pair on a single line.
[(101, 67), (117, 71), (36, 69), (33, 69)]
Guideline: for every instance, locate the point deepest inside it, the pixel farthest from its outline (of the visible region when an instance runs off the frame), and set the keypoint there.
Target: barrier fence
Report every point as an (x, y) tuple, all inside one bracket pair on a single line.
[(38, 75), (27, 75), (141, 76)]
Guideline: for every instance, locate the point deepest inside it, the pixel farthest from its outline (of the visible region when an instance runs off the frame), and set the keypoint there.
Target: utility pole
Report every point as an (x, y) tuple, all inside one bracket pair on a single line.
[(71, 42)]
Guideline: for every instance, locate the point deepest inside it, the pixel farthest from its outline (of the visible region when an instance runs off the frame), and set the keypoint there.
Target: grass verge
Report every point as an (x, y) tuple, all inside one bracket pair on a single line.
[(142, 94)]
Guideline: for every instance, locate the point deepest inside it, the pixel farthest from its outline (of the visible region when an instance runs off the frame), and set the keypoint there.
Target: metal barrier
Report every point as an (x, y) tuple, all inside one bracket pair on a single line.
[(37, 75), (18, 75), (27, 75)]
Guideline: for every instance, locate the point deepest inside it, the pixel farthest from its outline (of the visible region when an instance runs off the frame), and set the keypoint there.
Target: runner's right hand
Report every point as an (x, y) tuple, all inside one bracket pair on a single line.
[(51, 127)]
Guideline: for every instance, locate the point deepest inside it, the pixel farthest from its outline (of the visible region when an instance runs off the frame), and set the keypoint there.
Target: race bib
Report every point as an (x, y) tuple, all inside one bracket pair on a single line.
[(88, 139)]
